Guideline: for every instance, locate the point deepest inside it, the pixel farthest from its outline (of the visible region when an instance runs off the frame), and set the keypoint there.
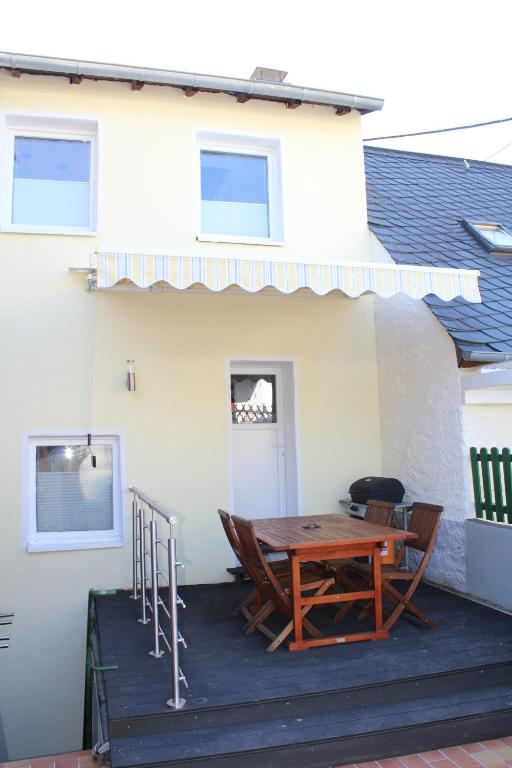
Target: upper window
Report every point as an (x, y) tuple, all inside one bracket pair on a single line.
[(234, 194), (240, 189), (74, 498), (494, 237), (51, 184)]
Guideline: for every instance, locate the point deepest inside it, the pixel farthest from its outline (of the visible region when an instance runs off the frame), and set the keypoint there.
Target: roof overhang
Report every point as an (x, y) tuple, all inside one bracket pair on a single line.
[(290, 95), (137, 271)]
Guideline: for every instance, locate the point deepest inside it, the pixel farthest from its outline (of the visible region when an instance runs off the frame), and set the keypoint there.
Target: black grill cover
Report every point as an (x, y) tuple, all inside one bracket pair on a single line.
[(378, 488)]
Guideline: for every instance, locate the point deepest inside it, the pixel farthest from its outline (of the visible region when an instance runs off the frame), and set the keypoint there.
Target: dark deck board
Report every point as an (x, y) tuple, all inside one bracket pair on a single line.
[(224, 666), (288, 731)]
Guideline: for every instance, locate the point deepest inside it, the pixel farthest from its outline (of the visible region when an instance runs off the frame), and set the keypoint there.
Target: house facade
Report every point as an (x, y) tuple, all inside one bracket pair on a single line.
[(190, 225)]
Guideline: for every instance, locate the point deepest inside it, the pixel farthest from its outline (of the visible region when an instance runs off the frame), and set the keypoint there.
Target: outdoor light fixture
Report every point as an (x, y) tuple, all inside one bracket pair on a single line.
[(131, 376)]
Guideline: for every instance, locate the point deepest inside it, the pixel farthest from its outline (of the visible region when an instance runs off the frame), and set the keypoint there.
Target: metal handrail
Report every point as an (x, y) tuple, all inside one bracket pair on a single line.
[(145, 547), (156, 506)]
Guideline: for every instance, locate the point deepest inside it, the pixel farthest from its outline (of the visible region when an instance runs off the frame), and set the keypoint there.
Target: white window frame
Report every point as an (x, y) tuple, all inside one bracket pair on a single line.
[(477, 229), (37, 126), (241, 144), (35, 541)]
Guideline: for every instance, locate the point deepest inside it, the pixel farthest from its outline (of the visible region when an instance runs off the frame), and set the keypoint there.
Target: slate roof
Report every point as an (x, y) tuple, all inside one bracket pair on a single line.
[(416, 204)]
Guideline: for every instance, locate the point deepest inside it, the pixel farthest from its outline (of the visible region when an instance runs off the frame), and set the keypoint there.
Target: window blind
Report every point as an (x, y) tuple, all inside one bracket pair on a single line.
[(72, 495)]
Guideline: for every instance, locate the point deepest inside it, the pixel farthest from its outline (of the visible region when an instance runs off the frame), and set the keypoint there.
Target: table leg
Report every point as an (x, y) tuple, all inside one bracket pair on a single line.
[(377, 586), (296, 595)]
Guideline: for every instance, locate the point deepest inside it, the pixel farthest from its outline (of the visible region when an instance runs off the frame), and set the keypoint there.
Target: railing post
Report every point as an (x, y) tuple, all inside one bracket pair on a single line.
[(135, 595), (176, 702), (156, 652), (142, 555)]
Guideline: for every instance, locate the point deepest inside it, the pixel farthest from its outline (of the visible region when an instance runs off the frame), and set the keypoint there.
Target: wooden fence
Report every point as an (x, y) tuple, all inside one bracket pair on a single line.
[(492, 483)]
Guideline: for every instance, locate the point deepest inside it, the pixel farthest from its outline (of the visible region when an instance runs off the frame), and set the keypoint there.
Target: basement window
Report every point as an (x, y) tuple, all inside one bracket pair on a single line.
[(74, 492), (494, 237)]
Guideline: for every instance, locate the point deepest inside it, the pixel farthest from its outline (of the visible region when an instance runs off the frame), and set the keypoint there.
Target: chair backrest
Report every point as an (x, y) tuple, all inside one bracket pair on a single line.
[(229, 530), (379, 512), (258, 568), (425, 519)]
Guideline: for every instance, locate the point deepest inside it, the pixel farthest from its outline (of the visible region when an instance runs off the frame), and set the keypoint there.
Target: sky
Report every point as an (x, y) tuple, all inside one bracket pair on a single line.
[(435, 63)]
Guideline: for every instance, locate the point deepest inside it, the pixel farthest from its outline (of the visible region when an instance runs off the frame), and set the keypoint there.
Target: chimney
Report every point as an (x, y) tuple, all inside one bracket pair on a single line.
[(269, 75)]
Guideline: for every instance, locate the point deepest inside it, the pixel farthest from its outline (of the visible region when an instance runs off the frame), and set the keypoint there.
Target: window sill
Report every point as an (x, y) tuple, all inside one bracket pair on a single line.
[(61, 546), (240, 240), (40, 230)]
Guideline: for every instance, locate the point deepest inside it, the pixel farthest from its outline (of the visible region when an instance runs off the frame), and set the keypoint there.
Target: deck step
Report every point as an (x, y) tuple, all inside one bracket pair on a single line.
[(420, 690), (412, 688), (328, 738)]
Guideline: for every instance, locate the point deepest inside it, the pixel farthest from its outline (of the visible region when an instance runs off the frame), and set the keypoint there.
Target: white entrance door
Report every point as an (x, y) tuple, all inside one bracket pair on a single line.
[(259, 452)]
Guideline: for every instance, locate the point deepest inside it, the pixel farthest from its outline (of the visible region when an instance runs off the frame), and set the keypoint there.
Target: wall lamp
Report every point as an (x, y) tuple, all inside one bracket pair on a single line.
[(131, 376)]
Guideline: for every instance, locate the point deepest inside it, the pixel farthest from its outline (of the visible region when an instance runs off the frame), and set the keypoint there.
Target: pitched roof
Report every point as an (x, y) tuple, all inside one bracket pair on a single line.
[(416, 204)]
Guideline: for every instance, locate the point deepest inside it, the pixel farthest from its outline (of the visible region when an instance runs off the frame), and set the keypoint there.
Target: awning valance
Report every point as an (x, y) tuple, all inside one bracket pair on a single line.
[(217, 274)]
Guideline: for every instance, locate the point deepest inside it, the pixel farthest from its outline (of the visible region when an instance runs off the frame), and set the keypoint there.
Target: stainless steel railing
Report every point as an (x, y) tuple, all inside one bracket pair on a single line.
[(148, 541), (6, 618)]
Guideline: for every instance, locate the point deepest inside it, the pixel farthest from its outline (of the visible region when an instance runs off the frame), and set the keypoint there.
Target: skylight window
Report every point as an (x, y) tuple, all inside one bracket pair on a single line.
[(494, 237)]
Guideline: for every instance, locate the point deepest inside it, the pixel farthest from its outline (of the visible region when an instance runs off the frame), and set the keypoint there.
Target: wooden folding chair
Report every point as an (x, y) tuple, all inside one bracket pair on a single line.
[(425, 519), (378, 512), (274, 591), (252, 603)]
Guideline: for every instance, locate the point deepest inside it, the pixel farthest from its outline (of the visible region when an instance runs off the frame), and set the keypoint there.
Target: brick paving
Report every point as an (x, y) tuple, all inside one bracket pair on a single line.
[(496, 753), (68, 760)]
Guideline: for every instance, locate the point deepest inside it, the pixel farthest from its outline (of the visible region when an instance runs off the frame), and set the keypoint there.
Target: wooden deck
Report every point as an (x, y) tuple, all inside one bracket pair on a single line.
[(418, 690)]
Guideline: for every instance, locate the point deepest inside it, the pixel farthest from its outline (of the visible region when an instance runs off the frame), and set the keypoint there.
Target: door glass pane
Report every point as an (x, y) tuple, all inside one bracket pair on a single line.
[(71, 494), (253, 398), (51, 183), (234, 194)]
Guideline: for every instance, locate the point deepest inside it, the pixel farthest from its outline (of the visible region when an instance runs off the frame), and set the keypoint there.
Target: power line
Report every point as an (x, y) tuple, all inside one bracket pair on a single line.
[(440, 130), (499, 151)]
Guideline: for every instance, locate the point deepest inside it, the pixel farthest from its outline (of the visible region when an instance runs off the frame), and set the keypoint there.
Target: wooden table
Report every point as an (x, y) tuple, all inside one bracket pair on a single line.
[(336, 538)]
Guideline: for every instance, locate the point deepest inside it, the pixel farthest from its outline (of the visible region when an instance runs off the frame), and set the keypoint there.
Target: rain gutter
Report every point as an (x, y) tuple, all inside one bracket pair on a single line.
[(292, 95), (486, 357)]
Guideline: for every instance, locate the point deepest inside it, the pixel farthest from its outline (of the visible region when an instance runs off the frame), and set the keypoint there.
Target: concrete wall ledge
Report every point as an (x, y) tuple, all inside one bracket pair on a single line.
[(489, 561)]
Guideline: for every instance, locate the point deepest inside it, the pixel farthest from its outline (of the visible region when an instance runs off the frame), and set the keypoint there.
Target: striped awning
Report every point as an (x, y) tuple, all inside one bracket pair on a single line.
[(148, 271)]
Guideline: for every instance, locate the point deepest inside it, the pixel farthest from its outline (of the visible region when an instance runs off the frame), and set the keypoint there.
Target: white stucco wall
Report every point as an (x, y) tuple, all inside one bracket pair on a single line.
[(175, 425), (421, 421)]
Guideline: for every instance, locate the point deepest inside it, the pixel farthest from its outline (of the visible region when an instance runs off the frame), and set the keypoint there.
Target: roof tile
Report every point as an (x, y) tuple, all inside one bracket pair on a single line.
[(416, 204)]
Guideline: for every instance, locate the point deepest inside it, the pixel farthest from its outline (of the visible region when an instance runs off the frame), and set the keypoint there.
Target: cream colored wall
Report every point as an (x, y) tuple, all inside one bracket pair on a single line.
[(149, 172), (175, 440), (175, 425), (488, 426), (485, 426)]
